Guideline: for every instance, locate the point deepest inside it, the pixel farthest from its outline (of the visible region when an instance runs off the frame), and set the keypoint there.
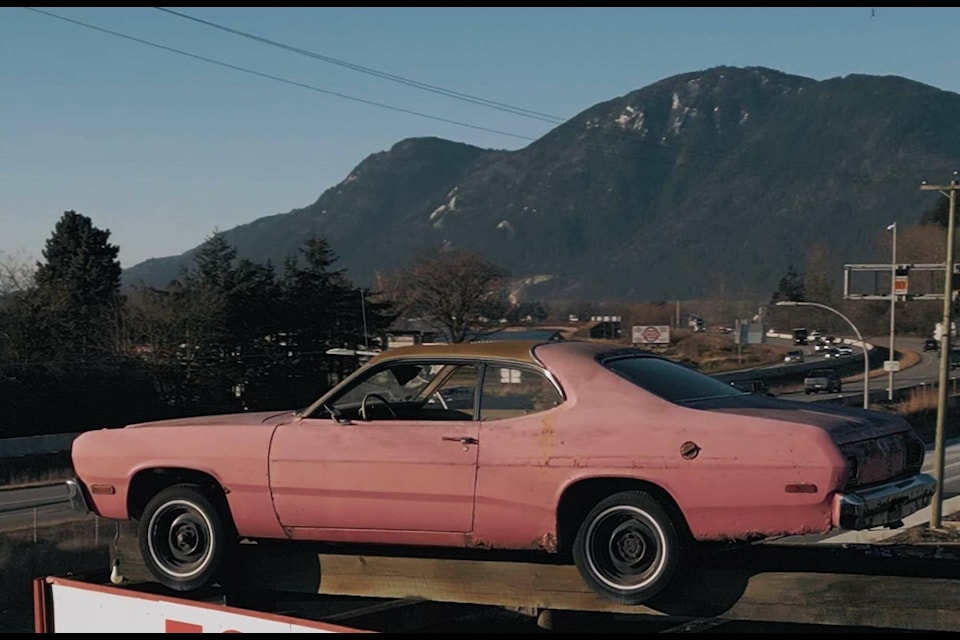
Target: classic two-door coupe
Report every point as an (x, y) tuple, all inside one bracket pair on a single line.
[(617, 457)]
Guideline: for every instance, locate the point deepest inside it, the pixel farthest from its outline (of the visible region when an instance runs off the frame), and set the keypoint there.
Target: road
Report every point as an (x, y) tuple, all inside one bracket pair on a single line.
[(925, 372)]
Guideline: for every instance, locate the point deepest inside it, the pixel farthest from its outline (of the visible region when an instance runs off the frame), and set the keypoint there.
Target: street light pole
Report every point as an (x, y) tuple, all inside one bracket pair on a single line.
[(893, 308), (863, 345)]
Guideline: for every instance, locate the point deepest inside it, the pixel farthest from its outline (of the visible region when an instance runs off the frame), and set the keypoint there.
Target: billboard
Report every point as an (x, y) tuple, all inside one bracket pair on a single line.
[(651, 334)]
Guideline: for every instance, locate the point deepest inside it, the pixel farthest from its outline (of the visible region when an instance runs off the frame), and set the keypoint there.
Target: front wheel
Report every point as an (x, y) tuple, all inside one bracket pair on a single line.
[(627, 548), (183, 538)]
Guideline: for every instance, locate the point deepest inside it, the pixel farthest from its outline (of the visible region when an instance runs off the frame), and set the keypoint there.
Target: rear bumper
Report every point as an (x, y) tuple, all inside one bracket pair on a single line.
[(883, 505)]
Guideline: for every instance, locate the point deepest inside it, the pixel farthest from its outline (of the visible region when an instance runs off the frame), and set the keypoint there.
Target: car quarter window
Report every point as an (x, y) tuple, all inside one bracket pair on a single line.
[(669, 380), (454, 392), (511, 391)]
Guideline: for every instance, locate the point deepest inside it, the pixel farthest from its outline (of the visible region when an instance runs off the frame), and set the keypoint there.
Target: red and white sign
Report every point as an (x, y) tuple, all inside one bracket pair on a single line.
[(900, 285), (70, 606), (651, 334)]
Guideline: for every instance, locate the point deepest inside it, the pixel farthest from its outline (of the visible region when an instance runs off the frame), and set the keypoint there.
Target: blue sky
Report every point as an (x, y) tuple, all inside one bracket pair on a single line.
[(163, 148)]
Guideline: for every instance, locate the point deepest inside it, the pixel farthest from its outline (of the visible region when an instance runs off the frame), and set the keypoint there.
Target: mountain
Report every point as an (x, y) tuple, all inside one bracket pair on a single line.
[(708, 181)]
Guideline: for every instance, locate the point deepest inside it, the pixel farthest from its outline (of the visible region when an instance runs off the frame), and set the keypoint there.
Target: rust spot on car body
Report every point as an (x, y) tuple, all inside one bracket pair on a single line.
[(547, 542)]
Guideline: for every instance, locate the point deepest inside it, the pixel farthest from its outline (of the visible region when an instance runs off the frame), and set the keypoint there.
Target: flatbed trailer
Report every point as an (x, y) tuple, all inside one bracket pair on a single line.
[(304, 587)]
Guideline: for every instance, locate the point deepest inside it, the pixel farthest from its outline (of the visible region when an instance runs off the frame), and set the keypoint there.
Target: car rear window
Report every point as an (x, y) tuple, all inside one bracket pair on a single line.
[(669, 380)]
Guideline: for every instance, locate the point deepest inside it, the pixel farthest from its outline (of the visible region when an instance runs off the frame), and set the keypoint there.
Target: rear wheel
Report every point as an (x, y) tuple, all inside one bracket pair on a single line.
[(184, 538), (627, 548)]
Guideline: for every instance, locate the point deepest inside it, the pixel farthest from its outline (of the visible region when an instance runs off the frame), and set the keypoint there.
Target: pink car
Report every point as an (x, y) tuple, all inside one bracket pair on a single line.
[(620, 459)]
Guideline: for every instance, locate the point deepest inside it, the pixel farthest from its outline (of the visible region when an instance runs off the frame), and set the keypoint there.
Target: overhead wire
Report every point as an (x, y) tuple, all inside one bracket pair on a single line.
[(304, 85), (689, 162), (276, 78), (564, 123), (374, 72)]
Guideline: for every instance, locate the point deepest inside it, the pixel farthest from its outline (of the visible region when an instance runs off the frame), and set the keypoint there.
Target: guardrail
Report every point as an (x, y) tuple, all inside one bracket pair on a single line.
[(24, 499)]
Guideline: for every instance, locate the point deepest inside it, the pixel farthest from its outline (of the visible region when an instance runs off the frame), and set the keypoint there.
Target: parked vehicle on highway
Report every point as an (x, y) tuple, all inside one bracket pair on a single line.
[(822, 380), (617, 459)]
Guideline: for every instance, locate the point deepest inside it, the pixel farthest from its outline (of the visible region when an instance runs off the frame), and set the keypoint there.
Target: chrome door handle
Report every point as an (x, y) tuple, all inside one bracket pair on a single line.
[(462, 440)]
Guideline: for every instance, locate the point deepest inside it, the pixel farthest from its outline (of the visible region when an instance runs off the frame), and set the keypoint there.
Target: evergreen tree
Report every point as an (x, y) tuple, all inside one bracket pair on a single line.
[(790, 286), (78, 287), (938, 214)]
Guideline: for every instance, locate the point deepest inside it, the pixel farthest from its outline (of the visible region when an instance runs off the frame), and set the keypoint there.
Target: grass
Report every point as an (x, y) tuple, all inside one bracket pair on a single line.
[(714, 352), (75, 548)]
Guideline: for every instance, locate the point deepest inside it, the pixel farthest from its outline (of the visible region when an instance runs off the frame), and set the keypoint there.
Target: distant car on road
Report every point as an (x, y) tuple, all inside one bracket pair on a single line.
[(793, 356), (845, 350), (752, 386), (822, 380), (931, 345), (832, 352)]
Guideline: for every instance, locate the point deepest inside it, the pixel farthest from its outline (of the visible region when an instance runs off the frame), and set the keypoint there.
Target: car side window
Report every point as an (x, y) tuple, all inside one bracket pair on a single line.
[(509, 392), (396, 383)]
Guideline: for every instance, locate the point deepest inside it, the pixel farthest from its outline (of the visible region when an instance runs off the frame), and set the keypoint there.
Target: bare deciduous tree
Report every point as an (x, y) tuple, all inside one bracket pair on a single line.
[(16, 273), (458, 291)]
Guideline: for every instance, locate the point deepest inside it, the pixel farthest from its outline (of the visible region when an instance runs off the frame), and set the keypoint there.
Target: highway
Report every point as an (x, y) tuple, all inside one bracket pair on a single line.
[(923, 373)]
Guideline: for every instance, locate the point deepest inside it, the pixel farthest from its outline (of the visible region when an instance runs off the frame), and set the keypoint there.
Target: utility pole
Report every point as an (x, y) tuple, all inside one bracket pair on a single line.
[(893, 308), (951, 192)]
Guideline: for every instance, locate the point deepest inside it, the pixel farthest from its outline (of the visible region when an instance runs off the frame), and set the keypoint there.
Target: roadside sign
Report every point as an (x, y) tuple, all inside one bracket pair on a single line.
[(748, 332), (900, 285), (891, 365), (651, 334)]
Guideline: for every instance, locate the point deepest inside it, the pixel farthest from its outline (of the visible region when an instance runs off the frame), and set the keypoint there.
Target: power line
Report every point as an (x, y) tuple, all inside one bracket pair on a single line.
[(761, 168), (312, 87), (520, 111), (277, 78)]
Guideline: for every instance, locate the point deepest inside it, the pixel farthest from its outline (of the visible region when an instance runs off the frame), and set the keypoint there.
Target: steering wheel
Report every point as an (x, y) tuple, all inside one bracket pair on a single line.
[(375, 396), (439, 397)]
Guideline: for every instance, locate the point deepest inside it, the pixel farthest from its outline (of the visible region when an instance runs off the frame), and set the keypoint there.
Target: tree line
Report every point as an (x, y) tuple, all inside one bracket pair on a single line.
[(227, 335)]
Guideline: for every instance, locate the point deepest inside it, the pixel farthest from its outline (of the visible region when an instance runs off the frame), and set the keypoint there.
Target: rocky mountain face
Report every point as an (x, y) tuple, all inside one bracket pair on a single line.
[(705, 182)]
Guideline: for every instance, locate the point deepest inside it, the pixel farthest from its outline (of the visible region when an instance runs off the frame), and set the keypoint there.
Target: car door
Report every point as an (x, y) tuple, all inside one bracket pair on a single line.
[(413, 472)]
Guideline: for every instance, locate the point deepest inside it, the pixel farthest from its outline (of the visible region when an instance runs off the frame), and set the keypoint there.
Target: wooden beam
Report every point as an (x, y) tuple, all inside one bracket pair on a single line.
[(900, 587)]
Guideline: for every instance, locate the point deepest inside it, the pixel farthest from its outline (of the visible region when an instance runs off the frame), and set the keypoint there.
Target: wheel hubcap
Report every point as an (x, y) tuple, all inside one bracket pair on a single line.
[(625, 548), (181, 541)]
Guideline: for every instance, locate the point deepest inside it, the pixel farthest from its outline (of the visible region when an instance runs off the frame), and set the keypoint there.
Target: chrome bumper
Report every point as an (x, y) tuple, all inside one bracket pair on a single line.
[(77, 496), (885, 504)]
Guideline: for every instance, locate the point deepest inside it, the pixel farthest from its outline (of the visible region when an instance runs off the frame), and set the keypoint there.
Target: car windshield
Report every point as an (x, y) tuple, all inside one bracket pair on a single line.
[(669, 380)]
